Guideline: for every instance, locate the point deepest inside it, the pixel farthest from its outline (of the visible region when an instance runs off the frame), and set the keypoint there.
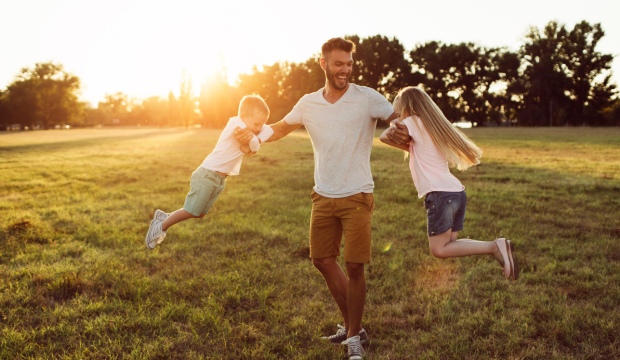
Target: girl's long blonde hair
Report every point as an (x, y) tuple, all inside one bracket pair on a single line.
[(459, 150)]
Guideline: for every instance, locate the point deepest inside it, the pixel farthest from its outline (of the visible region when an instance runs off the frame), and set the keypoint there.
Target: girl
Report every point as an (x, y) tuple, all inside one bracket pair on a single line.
[(434, 146)]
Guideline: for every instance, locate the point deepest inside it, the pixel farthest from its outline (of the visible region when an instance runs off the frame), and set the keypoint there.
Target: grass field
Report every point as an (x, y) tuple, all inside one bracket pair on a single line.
[(76, 281)]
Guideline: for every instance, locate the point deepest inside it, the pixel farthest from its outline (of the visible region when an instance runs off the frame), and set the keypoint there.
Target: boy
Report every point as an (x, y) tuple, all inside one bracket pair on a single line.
[(208, 180)]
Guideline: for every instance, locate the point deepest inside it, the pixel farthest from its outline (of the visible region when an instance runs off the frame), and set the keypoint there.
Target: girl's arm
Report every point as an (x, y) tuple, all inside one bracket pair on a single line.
[(385, 139)]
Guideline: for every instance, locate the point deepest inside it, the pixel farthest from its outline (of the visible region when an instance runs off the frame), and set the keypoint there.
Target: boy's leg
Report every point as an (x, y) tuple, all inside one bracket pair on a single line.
[(177, 217)]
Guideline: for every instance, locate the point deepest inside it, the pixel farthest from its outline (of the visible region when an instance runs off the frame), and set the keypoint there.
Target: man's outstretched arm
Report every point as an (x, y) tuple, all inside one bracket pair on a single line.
[(280, 130)]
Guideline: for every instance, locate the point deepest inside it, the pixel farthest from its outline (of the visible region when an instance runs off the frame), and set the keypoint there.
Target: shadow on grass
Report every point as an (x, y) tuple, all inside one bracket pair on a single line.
[(80, 143)]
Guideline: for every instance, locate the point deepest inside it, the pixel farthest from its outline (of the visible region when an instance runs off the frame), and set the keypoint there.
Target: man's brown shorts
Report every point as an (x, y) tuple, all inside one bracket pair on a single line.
[(332, 216)]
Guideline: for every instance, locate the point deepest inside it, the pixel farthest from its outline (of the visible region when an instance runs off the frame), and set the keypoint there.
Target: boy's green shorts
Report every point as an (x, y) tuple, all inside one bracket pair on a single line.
[(205, 187)]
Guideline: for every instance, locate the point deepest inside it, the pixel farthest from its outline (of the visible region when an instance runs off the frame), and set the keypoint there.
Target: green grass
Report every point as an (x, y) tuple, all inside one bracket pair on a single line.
[(77, 282)]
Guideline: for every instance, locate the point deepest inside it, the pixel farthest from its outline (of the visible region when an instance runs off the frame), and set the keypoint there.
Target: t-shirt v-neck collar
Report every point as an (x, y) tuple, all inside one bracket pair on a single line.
[(339, 100)]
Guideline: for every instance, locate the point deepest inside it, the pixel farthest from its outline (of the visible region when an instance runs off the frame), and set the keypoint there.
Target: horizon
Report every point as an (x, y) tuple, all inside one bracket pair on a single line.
[(115, 48)]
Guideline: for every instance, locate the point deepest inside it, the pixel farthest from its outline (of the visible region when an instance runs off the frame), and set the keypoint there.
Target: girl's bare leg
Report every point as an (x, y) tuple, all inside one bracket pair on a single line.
[(177, 217), (446, 245)]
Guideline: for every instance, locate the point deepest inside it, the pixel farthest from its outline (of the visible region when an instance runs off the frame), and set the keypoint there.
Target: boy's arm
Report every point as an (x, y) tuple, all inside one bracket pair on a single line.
[(264, 134), (245, 148), (280, 130), (254, 143), (385, 138)]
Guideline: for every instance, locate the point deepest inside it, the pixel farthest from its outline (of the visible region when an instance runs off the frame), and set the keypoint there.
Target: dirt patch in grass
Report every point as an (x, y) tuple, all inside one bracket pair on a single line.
[(19, 226)]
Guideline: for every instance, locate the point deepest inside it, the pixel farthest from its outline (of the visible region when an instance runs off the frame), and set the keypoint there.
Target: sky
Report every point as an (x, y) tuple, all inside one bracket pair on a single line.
[(141, 47)]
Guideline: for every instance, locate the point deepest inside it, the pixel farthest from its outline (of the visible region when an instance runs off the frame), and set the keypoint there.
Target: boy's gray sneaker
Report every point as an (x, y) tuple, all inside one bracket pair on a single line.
[(341, 335), (155, 234), (160, 215), (356, 351)]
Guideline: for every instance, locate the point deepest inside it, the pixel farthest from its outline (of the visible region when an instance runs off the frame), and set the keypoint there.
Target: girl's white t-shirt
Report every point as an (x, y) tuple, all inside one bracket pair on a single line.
[(227, 157), (429, 167)]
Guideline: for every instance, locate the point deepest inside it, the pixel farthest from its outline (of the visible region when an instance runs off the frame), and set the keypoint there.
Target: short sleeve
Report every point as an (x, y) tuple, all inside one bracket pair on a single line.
[(378, 105), (410, 126), (229, 130), (295, 117)]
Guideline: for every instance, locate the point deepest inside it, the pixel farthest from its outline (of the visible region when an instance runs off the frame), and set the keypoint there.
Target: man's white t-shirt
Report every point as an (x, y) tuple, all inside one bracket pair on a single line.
[(342, 135), (227, 157)]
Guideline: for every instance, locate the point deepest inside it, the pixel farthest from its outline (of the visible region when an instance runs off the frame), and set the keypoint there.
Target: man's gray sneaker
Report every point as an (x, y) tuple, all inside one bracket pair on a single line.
[(356, 351), (160, 215), (155, 234), (341, 335)]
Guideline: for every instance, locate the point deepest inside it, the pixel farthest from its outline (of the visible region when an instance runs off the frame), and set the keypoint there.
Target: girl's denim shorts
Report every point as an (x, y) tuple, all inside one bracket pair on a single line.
[(445, 211)]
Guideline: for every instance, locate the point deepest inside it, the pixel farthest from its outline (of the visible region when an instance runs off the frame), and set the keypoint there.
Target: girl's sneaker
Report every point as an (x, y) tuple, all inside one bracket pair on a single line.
[(515, 262), (504, 247)]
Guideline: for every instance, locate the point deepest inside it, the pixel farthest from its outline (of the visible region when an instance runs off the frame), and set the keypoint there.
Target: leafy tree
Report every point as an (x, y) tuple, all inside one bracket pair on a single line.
[(583, 64), (21, 103), (186, 101), (558, 85), (4, 113), (218, 101), (152, 111), (612, 114), (266, 83), (460, 78), (431, 70), (114, 110), (380, 64), (299, 79), (475, 71), (45, 94), (173, 109)]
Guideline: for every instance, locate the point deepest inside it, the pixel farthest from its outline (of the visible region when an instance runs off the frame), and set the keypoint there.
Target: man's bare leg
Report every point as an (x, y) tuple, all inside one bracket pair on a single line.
[(336, 283), (356, 297)]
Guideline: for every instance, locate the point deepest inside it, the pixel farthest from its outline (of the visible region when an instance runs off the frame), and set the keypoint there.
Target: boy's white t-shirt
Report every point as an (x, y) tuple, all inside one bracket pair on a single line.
[(428, 165), (227, 157), (342, 135)]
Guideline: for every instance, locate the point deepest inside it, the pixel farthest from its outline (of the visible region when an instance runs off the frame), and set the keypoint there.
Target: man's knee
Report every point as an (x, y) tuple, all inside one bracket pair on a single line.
[(324, 264), (201, 216), (355, 270)]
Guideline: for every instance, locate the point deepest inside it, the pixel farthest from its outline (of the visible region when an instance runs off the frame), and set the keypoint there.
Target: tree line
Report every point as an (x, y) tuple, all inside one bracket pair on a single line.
[(557, 77)]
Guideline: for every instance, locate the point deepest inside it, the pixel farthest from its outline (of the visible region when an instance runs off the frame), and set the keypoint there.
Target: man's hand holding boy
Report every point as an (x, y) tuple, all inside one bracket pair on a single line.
[(243, 135)]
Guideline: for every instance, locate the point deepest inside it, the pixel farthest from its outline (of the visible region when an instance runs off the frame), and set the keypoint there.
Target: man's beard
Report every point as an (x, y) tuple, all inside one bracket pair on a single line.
[(331, 78)]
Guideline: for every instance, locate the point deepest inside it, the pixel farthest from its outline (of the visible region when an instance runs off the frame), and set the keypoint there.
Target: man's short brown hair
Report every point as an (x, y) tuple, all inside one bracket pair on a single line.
[(337, 43), (251, 104)]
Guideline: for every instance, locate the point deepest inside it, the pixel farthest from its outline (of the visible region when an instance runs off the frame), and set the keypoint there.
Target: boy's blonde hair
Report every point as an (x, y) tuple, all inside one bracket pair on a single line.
[(456, 146), (251, 104)]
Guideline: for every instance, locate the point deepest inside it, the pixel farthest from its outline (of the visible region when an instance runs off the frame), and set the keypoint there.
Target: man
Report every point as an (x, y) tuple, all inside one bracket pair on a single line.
[(341, 119)]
